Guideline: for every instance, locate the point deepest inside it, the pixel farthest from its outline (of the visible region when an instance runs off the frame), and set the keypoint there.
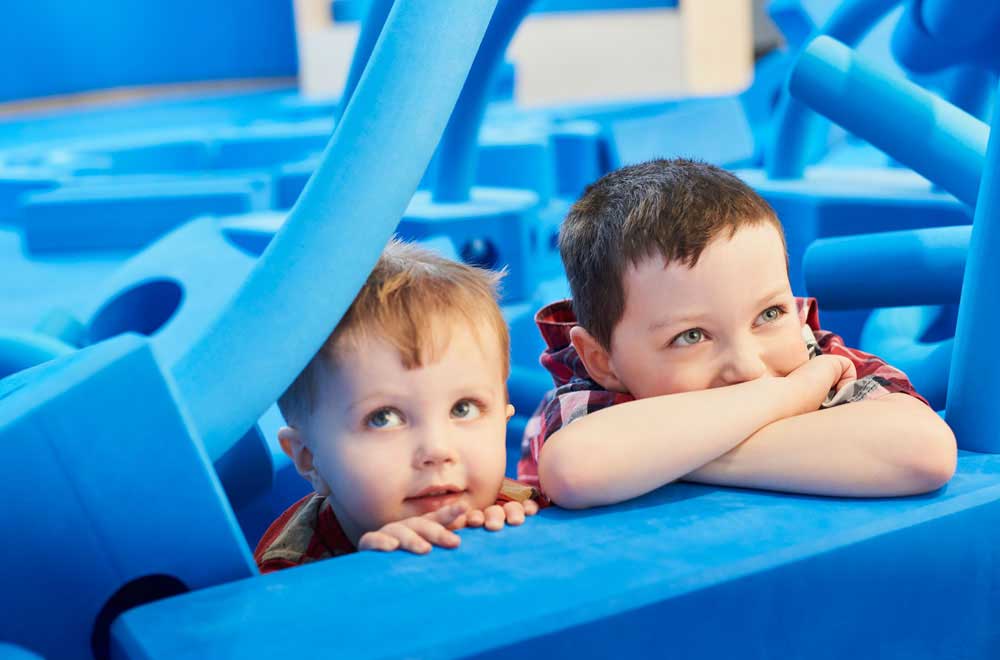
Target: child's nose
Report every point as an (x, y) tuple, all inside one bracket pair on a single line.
[(434, 449), (742, 364)]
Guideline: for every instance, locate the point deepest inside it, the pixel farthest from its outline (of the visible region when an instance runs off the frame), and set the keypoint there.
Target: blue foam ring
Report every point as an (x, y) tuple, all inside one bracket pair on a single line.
[(922, 131), (792, 141), (900, 337), (972, 393), (456, 155), (868, 271), (369, 171)]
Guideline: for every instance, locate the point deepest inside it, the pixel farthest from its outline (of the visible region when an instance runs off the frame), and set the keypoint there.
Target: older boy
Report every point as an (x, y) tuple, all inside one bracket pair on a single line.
[(684, 355), (399, 421)]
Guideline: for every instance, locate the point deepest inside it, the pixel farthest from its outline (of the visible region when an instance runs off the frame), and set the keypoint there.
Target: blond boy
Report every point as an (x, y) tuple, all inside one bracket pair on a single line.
[(684, 355), (399, 420)]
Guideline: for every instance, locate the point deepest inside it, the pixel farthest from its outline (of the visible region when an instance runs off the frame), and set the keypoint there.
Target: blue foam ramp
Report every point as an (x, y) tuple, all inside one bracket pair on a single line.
[(688, 570)]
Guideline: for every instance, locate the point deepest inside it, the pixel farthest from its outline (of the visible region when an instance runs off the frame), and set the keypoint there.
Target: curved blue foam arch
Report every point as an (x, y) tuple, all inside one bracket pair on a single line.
[(788, 151), (968, 21), (318, 261), (972, 398), (952, 143), (850, 272), (456, 155), (21, 350), (899, 336)]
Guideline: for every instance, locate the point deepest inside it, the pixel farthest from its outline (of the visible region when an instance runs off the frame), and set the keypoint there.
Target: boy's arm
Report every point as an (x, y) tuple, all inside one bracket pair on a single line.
[(632, 448), (890, 446)]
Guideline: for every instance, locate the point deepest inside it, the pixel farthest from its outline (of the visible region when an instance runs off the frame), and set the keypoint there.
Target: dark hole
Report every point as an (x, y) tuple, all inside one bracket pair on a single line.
[(137, 592)]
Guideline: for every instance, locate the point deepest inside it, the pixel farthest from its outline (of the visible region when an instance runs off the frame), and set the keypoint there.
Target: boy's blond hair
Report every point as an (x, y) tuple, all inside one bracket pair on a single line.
[(407, 291)]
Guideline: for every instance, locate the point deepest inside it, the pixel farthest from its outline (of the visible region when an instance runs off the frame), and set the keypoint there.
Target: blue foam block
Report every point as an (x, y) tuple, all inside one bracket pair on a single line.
[(690, 570), (110, 485)]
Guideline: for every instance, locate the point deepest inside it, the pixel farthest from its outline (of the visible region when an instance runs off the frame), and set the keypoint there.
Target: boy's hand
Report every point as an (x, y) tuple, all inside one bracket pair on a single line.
[(420, 533), (493, 517), (816, 377)]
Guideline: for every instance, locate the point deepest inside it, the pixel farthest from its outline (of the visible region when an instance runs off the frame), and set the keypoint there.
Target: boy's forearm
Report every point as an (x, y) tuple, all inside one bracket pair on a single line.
[(632, 448), (888, 447)]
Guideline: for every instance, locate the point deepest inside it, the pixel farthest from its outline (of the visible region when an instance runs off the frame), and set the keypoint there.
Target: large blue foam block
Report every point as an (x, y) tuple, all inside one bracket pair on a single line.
[(687, 571), (111, 485)]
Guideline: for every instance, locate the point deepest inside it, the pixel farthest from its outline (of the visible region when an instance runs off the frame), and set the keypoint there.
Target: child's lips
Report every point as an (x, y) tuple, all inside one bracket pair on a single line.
[(435, 497)]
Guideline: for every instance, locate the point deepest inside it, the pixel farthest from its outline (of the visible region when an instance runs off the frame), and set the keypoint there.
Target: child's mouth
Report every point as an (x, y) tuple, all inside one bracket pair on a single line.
[(435, 497)]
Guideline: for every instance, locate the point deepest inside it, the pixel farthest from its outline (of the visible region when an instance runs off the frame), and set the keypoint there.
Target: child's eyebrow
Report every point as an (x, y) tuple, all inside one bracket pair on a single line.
[(780, 290)]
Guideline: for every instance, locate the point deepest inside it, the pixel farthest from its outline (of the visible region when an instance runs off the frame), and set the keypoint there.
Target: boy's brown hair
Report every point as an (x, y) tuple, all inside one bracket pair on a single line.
[(673, 208), (409, 288)]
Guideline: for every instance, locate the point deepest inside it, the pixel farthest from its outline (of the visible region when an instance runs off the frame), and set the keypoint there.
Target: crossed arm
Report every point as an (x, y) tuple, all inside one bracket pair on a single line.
[(766, 433)]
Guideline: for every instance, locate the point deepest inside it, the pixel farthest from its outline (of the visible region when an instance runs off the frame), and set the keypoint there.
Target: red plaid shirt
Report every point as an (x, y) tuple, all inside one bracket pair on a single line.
[(309, 531), (576, 394)]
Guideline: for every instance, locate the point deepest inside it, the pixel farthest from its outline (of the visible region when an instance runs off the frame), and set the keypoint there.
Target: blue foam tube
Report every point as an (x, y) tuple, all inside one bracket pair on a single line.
[(456, 157), (790, 145), (922, 131), (973, 390), (967, 21), (371, 28), (888, 269), (315, 265)]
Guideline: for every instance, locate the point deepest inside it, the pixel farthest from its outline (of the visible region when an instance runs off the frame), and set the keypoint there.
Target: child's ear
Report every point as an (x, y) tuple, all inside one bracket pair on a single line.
[(596, 359), (295, 447), (510, 410)]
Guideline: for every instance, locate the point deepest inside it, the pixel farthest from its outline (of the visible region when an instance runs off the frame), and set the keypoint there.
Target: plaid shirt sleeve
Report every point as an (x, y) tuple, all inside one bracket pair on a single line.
[(876, 378), (561, 407)]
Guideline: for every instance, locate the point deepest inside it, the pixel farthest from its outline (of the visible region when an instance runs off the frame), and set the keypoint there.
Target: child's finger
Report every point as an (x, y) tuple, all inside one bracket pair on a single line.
[(515, 513), (446, 515), (530, 507), (494, 517), (434, 532), (475, 518), (378, 541), (409, 540)]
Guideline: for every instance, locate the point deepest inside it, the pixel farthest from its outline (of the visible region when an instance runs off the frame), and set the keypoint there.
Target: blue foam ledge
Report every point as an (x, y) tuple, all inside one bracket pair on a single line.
[(687, 571), (126, 213)]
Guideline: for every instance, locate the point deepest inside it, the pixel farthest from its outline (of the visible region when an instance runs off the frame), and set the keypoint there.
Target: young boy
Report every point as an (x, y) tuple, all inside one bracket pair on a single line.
[(399, 420), (684, 355)]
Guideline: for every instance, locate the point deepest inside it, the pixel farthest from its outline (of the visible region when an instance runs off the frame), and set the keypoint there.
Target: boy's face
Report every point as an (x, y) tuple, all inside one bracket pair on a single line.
[(729, 319), (389, 443)]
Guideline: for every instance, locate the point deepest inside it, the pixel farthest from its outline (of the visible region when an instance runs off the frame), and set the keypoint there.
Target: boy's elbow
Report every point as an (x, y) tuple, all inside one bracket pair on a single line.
[(564, 478), (934, 459)]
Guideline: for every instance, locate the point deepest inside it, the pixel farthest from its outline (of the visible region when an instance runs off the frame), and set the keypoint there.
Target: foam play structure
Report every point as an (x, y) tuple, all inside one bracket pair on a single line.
[(136, 414)]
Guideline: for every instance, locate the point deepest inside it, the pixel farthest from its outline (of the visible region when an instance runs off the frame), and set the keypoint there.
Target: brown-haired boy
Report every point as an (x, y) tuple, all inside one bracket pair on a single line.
[(399, 420), (684, 355)]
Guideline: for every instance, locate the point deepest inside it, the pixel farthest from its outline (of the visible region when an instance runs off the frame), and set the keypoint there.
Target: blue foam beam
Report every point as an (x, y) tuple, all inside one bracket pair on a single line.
[(796, 124), (850, 272), (922, 131), (459, 144), (972, 393), (318, 261)]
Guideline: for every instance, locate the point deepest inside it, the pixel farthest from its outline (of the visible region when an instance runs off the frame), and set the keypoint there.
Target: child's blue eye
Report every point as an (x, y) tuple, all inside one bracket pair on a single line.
[(770, 314), (466, 409), (688, 337), (384, 418)]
